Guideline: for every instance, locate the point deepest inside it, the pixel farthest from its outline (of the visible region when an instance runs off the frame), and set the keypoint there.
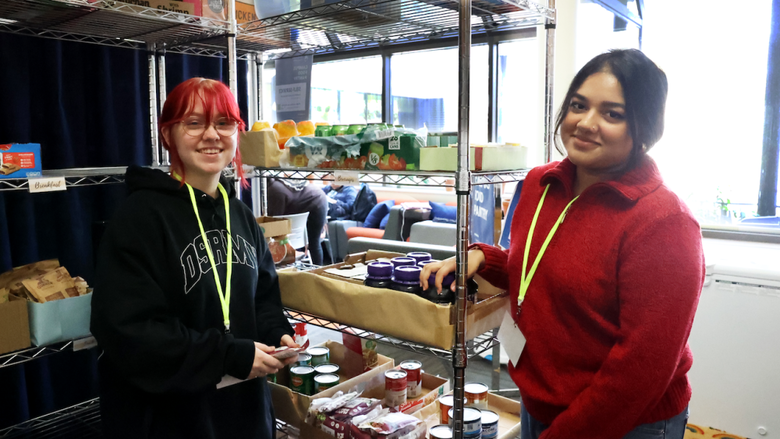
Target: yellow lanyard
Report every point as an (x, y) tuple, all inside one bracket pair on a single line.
[(526, 280), (223, 298)]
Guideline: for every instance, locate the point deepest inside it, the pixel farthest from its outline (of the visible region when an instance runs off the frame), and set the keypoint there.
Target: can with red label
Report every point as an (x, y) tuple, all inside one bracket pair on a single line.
[(395, 387), (446, 402), (476, 395), (413, 370)]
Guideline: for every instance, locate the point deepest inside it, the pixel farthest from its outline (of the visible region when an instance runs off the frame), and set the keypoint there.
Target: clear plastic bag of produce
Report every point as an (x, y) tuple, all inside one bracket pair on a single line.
[(371, 149)]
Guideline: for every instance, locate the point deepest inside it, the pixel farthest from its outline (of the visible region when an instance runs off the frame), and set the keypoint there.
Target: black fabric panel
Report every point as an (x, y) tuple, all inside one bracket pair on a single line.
[(87, 105)]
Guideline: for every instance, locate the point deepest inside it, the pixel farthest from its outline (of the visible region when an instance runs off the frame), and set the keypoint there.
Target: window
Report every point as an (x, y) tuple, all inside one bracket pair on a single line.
[(599, 30), (424, 85), (348, 91), (710, 154), (521, 97)]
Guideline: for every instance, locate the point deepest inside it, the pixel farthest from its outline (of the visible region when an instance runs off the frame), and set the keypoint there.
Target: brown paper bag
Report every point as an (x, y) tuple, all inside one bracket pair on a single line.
[(260, 148), (4, 295), (54, 285)]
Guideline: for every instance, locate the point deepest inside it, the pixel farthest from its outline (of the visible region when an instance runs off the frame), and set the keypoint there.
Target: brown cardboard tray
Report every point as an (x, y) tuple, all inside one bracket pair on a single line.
[(388, 312)]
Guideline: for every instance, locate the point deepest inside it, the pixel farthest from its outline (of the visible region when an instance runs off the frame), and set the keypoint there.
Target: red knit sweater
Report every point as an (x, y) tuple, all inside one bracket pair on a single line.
[(609, 310)]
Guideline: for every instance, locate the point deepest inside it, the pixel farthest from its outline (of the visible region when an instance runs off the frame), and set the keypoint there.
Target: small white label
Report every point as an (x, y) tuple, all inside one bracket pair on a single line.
[(511, 339), (46, 184), (84, 343), (346, 178), (394, 143)]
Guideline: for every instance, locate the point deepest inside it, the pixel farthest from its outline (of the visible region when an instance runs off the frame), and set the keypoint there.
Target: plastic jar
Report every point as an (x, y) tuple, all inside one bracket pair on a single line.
[(419, 256), (380, 275), (406, 278), (402, 260), (427, 261), (447, 296)]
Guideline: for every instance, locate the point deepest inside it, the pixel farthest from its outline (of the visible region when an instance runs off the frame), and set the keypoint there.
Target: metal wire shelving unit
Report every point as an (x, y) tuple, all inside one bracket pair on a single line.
[(80, 421)]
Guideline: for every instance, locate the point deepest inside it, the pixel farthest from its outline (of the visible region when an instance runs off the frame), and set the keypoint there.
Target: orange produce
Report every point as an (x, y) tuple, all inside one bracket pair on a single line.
[(306, 128), (260, 124), (286, 128)]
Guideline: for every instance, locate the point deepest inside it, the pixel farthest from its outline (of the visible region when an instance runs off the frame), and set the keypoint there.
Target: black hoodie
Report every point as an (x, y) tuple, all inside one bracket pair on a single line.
[(157, 316)]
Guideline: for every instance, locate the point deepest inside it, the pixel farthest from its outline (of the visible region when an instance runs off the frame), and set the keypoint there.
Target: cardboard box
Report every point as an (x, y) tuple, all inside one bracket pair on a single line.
[(260, 148), (215, 9), (20, 160), (14, 325), (508, 411), (388, 312), (485, 158), (59, 320), (291, 407), (245, 12), (182, 7), (272, 227)]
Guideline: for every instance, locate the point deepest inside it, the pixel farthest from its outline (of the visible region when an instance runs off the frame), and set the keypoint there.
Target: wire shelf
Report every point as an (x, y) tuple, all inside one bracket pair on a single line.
[(77, 421), (474, 347), (35, 352), (398, 178), (360, 24), (106, 22), (75, 177)]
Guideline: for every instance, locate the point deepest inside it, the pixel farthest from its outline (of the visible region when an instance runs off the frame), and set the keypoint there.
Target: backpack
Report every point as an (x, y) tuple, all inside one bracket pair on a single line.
[(364, 202)]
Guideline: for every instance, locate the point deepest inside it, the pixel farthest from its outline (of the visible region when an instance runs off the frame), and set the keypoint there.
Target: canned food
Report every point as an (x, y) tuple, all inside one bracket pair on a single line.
[(472, 422), (395, 387), (322, 131), (271, 377), (440, 432), (476, 395), (338, 130), (327, 368), (319, 355), (302, 379), (413, 370), (324, 382), (489, 424), (446, 402), (355, 128), (304, 359)]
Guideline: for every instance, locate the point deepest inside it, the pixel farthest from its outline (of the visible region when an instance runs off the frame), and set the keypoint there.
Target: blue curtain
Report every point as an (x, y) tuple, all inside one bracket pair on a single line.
[(87, 105)]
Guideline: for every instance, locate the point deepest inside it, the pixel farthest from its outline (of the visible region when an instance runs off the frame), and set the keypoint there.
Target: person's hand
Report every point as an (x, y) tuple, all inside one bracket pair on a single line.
[(264, 363), (475, 261), (290, 343)]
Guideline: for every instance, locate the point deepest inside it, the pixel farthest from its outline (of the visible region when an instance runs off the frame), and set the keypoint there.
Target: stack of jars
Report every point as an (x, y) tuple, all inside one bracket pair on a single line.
[(403, 274)]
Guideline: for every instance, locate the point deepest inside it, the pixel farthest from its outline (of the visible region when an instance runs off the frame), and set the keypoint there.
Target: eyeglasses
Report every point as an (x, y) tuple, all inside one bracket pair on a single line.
[(196, 127)]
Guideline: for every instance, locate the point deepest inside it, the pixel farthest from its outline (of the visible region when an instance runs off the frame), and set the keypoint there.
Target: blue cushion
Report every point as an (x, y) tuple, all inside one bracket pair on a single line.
[(383, 223), (443, 214), (377, 213)]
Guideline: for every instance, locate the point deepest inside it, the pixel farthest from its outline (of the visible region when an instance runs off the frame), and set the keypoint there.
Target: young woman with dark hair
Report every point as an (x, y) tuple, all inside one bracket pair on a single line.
[(186, 296), (605, 300)]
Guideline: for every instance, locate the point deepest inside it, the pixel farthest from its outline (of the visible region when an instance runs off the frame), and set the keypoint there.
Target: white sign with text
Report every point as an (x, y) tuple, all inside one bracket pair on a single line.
[(46, 184)]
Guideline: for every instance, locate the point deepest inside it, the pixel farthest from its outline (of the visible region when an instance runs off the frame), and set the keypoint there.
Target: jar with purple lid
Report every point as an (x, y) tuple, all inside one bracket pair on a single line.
[(380, 275), (427, 261), (419, 256), (406, 278), (447, 296), (402, 260)]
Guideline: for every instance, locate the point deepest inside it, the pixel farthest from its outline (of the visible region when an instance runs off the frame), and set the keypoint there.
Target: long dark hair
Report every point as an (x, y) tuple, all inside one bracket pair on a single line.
[(644, 90)]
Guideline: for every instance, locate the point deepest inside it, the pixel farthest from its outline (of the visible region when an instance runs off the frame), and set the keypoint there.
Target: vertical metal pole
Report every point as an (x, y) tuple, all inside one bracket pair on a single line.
[(549, 134), (251, 90), (232, 67), (387, 91), (259, 199), (260, 85), (163, 93), (152, 59), (493, 72), (463, 189)]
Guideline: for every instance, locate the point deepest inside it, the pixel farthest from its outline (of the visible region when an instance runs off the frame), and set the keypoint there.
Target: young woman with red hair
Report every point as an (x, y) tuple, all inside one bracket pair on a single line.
[(187, 297)]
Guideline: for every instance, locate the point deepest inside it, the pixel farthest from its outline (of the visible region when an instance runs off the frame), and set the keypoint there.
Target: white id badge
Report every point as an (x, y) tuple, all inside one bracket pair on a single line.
[(511, 339)]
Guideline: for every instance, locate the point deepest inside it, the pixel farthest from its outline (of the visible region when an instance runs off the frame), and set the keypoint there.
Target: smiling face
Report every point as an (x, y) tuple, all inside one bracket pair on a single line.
[(204, 155), (595, 132)]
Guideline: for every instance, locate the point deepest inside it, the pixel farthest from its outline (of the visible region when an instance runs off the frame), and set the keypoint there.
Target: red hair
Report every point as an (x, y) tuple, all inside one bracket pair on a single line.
[(179, 104)]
